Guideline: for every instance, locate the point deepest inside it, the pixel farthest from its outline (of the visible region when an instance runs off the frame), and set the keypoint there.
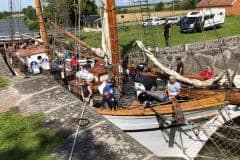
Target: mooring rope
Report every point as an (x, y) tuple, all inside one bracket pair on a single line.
[(77, 131)]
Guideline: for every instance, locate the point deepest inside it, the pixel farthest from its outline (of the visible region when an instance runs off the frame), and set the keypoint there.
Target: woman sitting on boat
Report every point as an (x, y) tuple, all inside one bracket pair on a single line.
[(173, 89)]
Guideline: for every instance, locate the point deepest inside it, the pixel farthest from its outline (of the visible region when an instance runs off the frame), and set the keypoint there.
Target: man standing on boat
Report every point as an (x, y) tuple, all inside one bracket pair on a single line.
[(166, 30), (173, 89), (109, 95), (180, 66)]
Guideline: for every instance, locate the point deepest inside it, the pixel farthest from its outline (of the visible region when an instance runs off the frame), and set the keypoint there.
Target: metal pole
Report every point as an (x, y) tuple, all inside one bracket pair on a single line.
[(12, 29), (79, 18), (173, 7)]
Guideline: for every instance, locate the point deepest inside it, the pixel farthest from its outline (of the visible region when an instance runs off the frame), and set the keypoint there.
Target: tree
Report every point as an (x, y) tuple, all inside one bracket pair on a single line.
[(159, 6), (190, 4), (4, 15), (67, 11), (29, 12)]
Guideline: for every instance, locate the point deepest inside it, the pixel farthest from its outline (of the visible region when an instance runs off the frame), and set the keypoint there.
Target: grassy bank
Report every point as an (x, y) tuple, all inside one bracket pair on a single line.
[(155, 37), (25, 138), (3, 82)]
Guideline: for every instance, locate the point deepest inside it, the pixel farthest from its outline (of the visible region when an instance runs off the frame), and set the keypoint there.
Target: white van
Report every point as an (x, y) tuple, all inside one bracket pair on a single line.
[(197, 21)]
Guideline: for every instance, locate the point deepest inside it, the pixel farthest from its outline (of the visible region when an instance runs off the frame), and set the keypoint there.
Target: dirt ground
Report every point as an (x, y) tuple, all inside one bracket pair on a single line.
[(136, 17), (9, 97)]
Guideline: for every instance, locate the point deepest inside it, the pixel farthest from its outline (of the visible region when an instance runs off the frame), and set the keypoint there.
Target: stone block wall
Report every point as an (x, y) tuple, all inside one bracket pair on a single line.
[(212, 53)]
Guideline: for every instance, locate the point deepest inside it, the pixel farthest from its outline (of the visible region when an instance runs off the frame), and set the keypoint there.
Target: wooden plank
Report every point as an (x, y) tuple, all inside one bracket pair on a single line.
[(177, 112), (194, 105)]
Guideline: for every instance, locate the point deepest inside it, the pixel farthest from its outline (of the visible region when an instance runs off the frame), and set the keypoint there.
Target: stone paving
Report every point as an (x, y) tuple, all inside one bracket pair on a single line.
[(98, 138)]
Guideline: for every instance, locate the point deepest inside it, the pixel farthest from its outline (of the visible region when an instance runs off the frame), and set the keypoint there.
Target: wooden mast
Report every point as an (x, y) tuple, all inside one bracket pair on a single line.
[(113, 35), (41, 22)]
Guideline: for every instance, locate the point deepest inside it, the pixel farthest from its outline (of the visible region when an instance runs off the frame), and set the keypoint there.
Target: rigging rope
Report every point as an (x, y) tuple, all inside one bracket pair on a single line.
[(77, 130)]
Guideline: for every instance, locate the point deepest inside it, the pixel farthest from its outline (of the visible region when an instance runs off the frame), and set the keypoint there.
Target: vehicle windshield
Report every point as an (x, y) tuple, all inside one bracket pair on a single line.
[(189, 20), (147, 20)]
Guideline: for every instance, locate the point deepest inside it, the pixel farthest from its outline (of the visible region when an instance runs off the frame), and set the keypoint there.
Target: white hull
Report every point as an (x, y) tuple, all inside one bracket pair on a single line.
[(138, 123)]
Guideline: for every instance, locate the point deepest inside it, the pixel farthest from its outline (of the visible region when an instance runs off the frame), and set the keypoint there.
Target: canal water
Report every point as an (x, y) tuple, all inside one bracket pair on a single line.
[(18, 25)]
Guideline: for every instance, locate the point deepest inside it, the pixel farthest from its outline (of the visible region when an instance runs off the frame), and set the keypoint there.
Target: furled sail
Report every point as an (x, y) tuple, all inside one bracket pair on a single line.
[(105, 52), (194, 82)]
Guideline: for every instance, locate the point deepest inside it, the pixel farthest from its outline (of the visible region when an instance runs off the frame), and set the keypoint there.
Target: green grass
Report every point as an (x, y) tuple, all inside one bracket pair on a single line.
[(24, 138), (3, 82), (155, 38)]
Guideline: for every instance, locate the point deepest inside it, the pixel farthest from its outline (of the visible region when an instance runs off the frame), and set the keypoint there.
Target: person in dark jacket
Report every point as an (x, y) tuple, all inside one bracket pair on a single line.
[(86, 91), (180, 66), (166, 30)]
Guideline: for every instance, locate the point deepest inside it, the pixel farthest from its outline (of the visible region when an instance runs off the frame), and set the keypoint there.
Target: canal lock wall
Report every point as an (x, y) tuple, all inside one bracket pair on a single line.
[(195, 56)]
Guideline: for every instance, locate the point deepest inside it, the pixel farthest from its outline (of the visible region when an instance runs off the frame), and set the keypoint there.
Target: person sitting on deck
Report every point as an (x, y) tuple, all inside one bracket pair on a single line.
[(173, 89), (86, 91), (85, 74), (109, 95), (207, 73), (74, 63)]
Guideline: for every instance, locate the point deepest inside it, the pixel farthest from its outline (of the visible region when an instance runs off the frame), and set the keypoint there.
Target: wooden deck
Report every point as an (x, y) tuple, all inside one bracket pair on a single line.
[(200, 100)]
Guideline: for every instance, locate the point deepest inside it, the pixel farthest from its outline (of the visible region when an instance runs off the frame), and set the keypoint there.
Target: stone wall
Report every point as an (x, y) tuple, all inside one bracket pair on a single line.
[(204, 53), (4, 70)]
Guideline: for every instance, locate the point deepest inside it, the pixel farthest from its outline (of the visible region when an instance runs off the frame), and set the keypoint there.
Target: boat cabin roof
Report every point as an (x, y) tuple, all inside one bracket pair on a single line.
[(31, 50), (98, 71)]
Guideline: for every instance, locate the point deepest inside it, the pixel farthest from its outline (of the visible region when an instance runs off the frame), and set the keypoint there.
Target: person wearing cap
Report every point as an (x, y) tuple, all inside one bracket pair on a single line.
[(109, 95), (173, 89), (86, 91)]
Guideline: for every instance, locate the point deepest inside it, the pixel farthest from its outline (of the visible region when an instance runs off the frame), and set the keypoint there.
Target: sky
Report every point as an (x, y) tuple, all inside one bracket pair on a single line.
[(4, 5)]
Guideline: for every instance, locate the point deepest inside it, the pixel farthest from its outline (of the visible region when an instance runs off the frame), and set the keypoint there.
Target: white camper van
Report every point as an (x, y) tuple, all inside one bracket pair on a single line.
[(197, 21)]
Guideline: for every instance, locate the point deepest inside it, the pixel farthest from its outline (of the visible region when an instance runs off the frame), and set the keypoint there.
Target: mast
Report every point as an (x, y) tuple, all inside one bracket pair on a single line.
[(113, 34), (41, 22), (12, 28)]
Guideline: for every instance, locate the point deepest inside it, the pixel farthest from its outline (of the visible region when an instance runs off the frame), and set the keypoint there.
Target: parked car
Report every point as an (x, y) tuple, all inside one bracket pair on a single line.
[(146, 22), (154, 21), (173, 20), (197, 21)]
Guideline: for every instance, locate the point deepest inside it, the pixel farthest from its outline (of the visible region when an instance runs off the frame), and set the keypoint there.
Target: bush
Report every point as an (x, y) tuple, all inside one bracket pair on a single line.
[(32, 24)]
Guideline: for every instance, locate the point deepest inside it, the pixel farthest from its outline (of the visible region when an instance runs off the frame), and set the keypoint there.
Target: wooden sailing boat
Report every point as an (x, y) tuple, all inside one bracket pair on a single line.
[(30, 55), (200, 103)]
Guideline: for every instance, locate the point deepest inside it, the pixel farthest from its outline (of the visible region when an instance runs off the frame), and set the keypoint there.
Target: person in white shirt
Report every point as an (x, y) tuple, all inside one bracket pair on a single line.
[(85, 74), (173, 89)]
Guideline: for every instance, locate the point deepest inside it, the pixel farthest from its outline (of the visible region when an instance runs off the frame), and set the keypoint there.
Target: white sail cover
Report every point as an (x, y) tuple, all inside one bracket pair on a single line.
[(106, 43), (105, 52)]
